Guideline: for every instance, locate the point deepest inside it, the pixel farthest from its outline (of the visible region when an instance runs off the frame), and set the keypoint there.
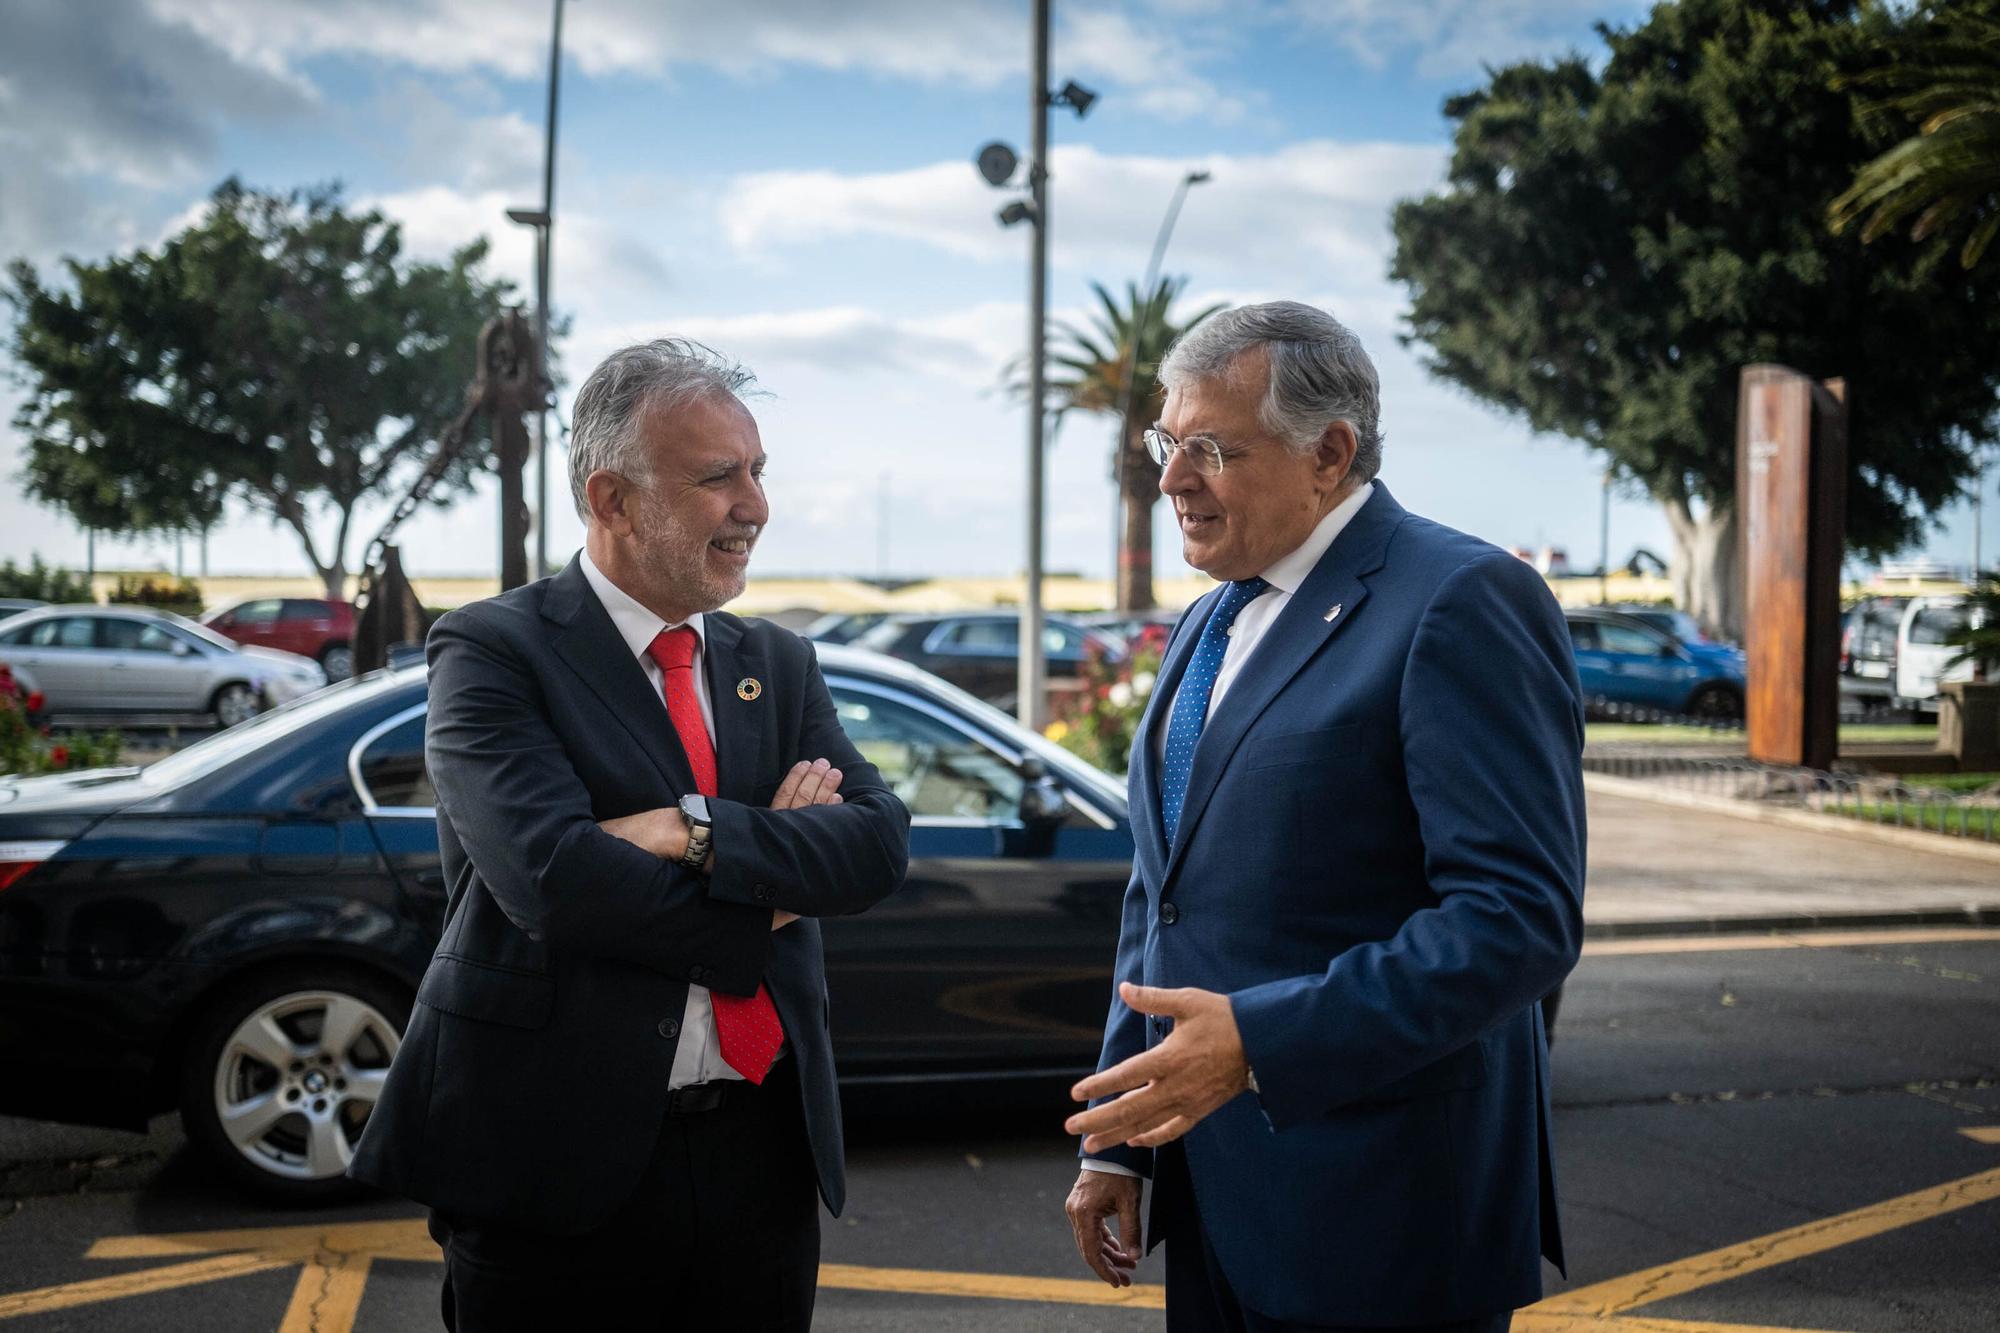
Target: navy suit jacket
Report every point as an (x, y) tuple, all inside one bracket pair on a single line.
[(1380, 860), (532, 1082)]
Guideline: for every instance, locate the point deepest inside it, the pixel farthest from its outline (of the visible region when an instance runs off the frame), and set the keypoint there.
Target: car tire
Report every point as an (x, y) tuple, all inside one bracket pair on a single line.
[(233, 703), (338, 662), (276, 1106), (1716, 702)]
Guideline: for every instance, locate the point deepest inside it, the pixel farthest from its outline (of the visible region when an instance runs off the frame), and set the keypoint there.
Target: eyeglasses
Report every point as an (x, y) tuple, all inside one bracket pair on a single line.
[(1204, 453)]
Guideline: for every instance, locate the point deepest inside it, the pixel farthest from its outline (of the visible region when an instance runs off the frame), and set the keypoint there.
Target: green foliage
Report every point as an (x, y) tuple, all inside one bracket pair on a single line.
[(280, 350), (43, 583), (1978, 640), (161, 592), (1100, 721), (28, 749), (1615, 244), (1943, 77)]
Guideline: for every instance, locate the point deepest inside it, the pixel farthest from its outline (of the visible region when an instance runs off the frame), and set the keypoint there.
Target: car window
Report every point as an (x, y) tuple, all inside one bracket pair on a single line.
[(391, 767), (134, 636), (64, 632), (934, 768), (1935, 624), (1583, 634), (297, 608), (984, 636), (1626, 639), (261, 612), (1062, 643)]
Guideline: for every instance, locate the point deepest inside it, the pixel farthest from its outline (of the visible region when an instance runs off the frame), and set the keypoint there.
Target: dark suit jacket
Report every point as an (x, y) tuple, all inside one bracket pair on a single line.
[(533, 1078), (1380, 860)]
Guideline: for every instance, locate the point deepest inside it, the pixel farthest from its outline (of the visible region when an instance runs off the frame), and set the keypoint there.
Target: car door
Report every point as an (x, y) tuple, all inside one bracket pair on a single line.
[(981, 655), (386, 766), (150, 668), (995, 955), (303, 626), (255, 622), (60, 656), (1596, 673), (1655, 671)]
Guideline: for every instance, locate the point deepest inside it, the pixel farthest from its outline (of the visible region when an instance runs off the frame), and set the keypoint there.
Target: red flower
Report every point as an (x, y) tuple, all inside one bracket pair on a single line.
[(35, 701), (59, 756)]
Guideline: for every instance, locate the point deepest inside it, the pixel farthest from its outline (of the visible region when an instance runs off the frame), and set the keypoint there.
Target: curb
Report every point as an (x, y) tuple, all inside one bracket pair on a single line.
[(1940, 844), (1787, 923)]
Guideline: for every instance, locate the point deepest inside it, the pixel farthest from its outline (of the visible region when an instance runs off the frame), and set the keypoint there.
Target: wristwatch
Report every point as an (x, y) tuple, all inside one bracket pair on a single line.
[(701, 830)]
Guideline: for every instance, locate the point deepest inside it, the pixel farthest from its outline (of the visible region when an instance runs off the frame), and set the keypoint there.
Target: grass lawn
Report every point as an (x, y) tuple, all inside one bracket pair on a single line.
[(1972, 821)]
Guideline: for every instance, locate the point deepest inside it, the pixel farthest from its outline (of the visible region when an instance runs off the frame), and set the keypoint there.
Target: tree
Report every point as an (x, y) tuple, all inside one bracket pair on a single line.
[(1613, 246), (1089, 375), (1944, 77), (280, 351)]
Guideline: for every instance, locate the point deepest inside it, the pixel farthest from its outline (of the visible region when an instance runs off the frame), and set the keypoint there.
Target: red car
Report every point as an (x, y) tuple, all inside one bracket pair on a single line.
[(309, 626)]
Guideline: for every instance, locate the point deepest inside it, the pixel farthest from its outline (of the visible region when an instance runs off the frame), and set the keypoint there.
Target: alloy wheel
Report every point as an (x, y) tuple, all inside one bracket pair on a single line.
[(297, 1080)]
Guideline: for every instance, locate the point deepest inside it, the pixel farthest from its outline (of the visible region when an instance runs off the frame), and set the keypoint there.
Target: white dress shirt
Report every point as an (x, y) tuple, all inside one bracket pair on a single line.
[(698, 1056), (1285, 576)]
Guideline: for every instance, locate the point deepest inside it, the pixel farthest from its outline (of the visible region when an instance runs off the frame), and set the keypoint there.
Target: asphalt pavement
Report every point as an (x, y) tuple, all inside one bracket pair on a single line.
[(1789, 1131)]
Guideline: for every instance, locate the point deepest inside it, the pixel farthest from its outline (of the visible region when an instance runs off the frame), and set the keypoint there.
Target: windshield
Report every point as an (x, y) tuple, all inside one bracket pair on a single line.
[(194, 629), (1004, 726), (225, 747)]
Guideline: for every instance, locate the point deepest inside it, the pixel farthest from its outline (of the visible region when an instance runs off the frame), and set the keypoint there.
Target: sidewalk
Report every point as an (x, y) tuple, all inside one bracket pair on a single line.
[(1658, 868)]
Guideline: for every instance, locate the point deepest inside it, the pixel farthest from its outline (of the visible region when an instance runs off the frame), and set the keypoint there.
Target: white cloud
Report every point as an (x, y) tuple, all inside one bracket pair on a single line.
[(1457, 37)]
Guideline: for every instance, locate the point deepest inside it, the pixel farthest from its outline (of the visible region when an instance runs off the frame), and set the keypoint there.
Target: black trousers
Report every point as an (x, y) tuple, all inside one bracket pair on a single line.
[(1199, 1298), (722, 1232)]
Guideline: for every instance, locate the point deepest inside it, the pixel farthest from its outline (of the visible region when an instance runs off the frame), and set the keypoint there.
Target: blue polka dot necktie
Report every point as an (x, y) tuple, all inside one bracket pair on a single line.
[(1191, 700)]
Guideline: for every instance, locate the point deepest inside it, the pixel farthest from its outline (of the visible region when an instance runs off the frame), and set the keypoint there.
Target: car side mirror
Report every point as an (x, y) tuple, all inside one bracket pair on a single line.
[(1669, 650), (1041, 799), (181, 649)]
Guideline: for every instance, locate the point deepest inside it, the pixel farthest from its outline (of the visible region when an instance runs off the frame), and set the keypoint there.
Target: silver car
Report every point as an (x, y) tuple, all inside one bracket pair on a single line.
[(133, 661)]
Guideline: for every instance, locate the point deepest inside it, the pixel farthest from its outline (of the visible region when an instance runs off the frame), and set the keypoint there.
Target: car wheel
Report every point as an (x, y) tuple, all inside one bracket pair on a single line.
[(282, 1073), (1716, 703), (337, 662), (234, 703)]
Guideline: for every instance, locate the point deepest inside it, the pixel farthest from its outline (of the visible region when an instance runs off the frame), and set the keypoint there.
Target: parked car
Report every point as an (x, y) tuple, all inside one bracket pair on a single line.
[(1128, 625), (843, 626), (1922, 653), (980, 651), (1868, 632), (13, 606), (315, 627), (240, 928), (1623, 662), (115, 660), (1666, 619)]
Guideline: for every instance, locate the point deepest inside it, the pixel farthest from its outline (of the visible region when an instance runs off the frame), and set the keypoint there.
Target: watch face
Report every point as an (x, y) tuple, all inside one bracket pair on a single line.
[(695, 808)]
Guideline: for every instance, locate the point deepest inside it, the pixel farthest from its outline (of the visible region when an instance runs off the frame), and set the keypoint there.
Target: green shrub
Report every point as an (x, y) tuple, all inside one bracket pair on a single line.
[(43, 583), (159, 591)]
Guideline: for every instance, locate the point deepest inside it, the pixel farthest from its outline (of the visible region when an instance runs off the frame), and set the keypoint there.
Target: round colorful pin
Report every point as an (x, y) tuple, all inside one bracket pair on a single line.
[(749, 688)]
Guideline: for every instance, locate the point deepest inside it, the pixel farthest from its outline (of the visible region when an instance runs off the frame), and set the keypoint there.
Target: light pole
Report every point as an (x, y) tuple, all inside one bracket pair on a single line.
[(996, 162), (543, 220), (1129, 371)]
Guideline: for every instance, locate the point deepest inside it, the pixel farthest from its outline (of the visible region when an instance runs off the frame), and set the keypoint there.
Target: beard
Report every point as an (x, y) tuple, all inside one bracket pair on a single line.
[(674, 559)]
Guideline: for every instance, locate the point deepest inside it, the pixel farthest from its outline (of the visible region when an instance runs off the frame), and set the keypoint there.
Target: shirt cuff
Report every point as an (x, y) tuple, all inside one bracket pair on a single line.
[(1108, 1168)]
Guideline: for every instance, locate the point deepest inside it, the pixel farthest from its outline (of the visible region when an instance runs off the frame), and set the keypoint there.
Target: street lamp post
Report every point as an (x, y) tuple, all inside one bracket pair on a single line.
[(543, 220), (1129, 371)]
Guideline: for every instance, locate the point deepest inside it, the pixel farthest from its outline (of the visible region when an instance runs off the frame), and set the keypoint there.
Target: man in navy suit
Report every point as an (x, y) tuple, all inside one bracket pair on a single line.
[(617, 1091), (1357, 800)]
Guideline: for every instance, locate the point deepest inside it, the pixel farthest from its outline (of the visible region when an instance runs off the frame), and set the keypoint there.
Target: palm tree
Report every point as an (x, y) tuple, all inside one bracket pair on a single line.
[(1088, 370), (1948, 173)]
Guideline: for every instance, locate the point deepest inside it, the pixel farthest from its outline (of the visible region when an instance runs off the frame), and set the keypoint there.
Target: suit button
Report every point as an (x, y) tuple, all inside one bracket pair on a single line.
[(763, 893), (1169, 914), (669, 1029)]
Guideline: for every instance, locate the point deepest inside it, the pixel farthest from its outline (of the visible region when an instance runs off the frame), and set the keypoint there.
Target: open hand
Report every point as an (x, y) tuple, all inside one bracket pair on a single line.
[(815, 783), (1168, 1089), (1096, 1198)]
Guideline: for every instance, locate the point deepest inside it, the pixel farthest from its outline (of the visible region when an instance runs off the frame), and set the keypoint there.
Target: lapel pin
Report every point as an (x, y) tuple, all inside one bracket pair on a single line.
[(1332, 612), (749, 688)]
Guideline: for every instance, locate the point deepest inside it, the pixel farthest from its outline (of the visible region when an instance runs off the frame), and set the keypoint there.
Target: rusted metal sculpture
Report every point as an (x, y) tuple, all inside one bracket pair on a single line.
[(389, 616)]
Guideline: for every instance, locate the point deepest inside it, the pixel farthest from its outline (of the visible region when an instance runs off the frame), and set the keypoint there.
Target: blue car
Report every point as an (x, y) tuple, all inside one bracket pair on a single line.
[(1626, 665), (239, 929)]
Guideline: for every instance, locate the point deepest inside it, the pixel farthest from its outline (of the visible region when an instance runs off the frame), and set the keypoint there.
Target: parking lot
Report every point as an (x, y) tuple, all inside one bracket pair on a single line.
[(1751, 1132)]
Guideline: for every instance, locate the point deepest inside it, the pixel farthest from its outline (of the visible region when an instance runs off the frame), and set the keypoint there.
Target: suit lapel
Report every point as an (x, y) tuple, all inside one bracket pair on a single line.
[(1298, 634), (591, 646), (1143, 787), (739, 722)]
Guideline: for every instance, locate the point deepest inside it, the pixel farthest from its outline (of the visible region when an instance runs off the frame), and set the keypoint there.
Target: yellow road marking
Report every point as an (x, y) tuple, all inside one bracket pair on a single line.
[(328, 1294), (17, 1304), (1797, 939), (1527, 1321), (992, 1286), (1704, 1270), (296, 1244), (1983, 1133)]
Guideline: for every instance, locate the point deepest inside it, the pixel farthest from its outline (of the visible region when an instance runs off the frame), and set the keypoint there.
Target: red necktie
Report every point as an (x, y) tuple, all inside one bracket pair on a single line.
[(748, 1029)]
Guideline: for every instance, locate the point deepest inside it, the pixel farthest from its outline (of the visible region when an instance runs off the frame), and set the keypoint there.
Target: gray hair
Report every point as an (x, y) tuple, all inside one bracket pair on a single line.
[(1319, 374), (666, 373)]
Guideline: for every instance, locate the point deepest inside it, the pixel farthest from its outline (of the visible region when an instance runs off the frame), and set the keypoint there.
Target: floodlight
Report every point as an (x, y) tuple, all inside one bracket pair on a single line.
[(1076, 97), (1018, 211)]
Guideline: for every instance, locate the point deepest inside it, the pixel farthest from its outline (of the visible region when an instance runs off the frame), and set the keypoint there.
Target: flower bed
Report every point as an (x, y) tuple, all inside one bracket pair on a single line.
[(27, 747)]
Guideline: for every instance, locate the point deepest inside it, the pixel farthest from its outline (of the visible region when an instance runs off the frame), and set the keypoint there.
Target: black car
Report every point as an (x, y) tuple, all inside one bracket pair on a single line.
[(239, 929), (980, 651)]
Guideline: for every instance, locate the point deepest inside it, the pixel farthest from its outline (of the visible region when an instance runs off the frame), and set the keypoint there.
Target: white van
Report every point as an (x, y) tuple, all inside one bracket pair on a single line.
[(1922, 650)]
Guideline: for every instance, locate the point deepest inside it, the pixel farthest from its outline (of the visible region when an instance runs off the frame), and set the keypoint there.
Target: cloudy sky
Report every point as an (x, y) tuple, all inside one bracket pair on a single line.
[(791, 181)]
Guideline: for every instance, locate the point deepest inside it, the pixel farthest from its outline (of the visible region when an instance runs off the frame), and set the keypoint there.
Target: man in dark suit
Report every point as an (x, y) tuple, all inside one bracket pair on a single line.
[(616, 1092), (1358, 809)]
